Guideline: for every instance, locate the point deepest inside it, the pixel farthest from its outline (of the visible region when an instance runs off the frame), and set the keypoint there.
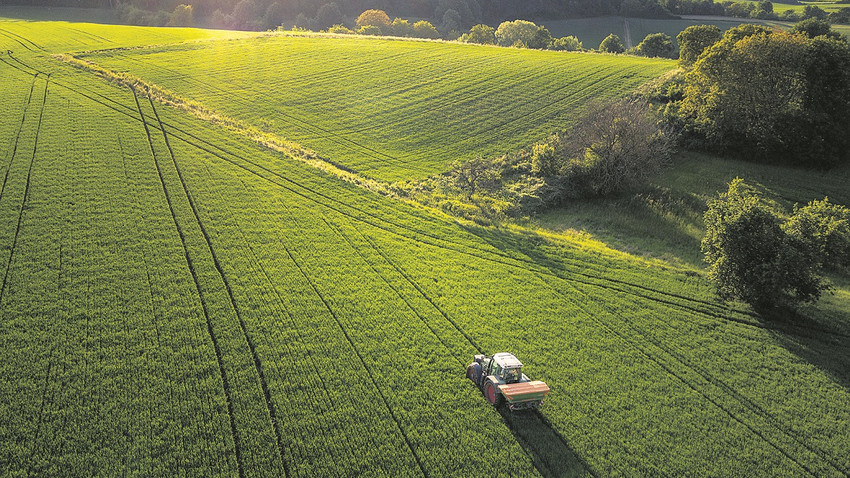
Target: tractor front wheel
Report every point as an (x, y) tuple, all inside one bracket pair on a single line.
[(494, 397)]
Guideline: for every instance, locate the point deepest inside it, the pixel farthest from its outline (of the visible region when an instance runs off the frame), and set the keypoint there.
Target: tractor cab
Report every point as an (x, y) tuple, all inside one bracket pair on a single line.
[(507, 368)]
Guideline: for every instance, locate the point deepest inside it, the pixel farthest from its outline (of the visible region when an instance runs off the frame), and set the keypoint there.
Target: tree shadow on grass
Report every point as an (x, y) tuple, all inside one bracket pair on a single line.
[(551, 453)]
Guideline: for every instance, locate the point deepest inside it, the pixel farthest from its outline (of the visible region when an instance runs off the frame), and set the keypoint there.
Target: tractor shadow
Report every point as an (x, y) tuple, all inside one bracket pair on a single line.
[(550, 452)]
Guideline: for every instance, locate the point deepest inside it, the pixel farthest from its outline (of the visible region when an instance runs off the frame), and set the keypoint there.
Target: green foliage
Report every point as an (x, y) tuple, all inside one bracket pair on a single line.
[(766, 96), (612, 44), (815, 27), (370, 30), (544, 160), (826, 228), (182, 16), (567, 43), (751, 257), (402, 28), (694, 40), (373, 17), (340, 29), (523, 31), (424, 29), (656, 45), (481, 34)]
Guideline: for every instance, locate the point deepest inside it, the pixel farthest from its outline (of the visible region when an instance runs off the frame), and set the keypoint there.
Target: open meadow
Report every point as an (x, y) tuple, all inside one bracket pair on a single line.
[(179, 298)]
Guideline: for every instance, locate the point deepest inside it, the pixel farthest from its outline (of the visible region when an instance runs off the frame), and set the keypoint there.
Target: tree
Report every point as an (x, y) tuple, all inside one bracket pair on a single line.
[(616, 145), (540, 40), (612, 44), (377, 18), (473, 175), (424, 29), (568, 43), (772, 96), (826, 228), (329, 14), (694, 40), (656, 45), (751, 258), (509, 33), (402, 28), (815, 27), (482, 34), (182, 16), (451, 21), (813, 11)]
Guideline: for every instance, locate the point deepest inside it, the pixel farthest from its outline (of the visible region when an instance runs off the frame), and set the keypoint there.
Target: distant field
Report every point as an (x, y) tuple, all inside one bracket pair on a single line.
[(178, 300), (389, 109), (826, 6)]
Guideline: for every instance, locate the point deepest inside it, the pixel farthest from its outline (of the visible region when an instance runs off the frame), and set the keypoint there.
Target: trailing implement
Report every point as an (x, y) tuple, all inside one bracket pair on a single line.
[(501, 380)]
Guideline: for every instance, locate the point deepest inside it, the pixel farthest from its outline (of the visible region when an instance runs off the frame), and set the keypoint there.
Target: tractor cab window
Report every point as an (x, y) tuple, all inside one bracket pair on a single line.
[(512, 375)]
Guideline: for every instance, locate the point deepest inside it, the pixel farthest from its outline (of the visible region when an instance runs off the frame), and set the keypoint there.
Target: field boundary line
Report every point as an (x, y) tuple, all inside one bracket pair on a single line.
[(190, 263)]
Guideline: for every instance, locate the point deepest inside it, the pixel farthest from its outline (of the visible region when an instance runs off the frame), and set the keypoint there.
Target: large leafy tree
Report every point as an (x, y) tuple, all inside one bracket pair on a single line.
[(772, 96), (752, 258), (694, 40), (656, 45)]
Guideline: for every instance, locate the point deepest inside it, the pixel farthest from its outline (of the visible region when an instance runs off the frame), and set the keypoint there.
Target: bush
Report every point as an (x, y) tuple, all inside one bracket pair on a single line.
[(370, 30), (750, 256), (402, 28), (509, 33), (656, 45), (568, 43), (694, 40), (481, 34), (375, 18), (826, 228), (182, 16), (424, 29), (612, 44), (815, 27), (340, 29)]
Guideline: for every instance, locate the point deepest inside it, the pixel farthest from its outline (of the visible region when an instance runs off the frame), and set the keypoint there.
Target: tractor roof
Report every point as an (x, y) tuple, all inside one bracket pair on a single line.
[(507, 360)]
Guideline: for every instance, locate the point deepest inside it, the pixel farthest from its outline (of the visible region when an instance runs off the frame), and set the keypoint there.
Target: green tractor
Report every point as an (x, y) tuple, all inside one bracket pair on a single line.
[(501, 380)]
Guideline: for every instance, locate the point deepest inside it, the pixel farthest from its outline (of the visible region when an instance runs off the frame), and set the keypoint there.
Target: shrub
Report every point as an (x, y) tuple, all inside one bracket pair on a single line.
[(509, 33), (182, 16), (481, 34), (402, 28), (424, 29), (568, 43), (826, 228), (612, 44), (656, 45), (370, 30), (376, 18), (694, 40), (341, 29), (750, 256)]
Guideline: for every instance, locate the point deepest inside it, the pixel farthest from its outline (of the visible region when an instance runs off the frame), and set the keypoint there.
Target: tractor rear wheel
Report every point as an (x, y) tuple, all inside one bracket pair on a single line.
[(473, 372), (494, 397)]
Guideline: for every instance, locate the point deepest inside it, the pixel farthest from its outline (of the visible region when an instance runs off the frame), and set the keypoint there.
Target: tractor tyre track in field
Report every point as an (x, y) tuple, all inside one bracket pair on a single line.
[(199, 141), (26, 191), (190, 264), (359, 355), (257, 365), (668, 369), (14, 35), (394, 289), (14, 150)]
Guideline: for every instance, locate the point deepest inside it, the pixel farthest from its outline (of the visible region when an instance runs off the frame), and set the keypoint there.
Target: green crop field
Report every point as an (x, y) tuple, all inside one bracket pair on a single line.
[(387, 109), (179, 299)]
